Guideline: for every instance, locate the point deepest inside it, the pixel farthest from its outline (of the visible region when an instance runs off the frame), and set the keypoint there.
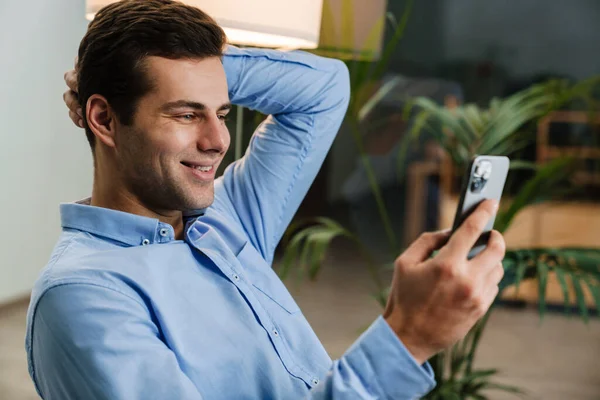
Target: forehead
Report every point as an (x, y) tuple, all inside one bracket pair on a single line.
[(200, 80)]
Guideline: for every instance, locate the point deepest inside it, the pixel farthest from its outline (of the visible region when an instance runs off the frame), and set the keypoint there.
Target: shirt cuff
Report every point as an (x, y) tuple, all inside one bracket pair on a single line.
[(381, 357)]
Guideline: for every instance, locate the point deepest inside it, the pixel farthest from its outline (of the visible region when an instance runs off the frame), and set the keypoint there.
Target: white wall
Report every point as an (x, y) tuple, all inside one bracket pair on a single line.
[(44, 158), (556, 35)]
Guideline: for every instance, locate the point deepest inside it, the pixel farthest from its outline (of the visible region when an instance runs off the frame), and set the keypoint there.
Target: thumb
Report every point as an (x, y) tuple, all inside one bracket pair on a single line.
[(421, 249)]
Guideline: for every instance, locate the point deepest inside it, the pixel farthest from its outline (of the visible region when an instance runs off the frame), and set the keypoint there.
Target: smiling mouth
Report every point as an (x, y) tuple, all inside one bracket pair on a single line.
[(199, 167)]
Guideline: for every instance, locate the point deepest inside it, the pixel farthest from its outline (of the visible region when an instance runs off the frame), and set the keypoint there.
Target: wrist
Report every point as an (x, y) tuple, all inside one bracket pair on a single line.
[(416, 349)]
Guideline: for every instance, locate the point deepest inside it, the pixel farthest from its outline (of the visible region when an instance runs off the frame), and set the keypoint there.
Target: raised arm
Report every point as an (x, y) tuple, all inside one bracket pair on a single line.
[(306, 98)]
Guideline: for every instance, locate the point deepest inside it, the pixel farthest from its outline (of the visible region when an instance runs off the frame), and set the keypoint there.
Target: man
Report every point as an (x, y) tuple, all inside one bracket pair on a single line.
[(160, 286)]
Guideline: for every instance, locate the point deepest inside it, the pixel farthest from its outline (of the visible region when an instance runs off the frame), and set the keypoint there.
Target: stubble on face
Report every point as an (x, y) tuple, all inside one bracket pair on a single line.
[(153, 148), (154, 180)]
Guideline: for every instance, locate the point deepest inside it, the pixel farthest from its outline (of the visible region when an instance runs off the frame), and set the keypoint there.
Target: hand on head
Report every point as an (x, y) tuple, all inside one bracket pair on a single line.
[(70, 97)]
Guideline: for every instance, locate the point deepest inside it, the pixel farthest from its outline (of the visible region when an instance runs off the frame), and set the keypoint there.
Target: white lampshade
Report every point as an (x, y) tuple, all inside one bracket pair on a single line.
[(262, 23)]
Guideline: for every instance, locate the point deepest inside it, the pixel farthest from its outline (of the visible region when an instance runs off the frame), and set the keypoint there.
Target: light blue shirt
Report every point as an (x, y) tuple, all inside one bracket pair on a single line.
[(123, 310)]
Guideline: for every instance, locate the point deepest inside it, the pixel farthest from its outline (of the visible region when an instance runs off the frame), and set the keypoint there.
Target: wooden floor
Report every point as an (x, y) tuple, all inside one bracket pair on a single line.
[(557, 359)]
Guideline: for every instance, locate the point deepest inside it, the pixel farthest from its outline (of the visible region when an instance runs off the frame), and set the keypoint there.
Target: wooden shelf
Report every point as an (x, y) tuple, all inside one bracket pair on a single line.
[(546, 152), (586, 178)]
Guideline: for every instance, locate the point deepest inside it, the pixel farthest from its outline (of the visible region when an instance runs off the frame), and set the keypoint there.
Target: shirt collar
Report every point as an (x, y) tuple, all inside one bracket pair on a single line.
[(130, 229)]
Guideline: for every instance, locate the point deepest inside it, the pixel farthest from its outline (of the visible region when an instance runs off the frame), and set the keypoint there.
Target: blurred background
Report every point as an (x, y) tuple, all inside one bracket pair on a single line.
[(433, 84)]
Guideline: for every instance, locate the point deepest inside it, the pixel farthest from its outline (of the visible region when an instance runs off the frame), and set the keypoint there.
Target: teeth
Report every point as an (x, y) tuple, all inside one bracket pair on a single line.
[(204, 169)]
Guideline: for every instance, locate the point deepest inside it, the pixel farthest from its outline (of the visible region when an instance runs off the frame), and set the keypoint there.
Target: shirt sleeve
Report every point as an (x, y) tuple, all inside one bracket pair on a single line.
[(306, 98), (92, 342), (377, 366)]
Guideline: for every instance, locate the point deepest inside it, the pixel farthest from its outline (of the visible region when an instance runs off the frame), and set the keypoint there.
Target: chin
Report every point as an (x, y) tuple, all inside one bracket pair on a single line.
[(198, 201)]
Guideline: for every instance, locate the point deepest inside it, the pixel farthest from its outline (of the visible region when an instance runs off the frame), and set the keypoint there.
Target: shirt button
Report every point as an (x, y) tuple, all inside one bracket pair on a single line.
[(315, 381), (236, 277), (164, 232), (275, 333), (145, 242)]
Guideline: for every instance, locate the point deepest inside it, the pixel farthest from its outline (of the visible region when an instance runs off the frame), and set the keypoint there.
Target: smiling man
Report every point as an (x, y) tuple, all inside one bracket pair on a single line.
[(160, 286)]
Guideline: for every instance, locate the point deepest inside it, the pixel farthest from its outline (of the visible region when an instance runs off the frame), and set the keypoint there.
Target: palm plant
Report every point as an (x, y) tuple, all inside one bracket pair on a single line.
[(469, 130), (462, 133)]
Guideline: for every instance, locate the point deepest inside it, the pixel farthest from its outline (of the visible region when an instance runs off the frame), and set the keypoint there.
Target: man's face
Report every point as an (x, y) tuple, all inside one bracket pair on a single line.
[(170, 153)]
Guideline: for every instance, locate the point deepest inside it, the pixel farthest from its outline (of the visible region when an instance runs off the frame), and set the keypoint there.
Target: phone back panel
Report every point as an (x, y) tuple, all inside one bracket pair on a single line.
[(484, 180)]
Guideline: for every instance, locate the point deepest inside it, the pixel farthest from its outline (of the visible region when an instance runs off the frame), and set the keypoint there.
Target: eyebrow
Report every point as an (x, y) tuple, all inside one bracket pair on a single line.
[(171, 106)]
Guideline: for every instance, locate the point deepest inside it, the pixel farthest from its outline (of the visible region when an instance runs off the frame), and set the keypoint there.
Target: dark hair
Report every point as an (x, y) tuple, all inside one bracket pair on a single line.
[(122, 34)]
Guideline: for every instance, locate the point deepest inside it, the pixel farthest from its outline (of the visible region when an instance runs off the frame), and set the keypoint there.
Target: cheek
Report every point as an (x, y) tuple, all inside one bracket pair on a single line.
[(171, 143), (174, 144), (151, 151)]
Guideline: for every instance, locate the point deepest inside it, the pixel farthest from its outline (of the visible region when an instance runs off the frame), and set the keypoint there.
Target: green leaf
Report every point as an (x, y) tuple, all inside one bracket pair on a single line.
[(560, 275), (375, 190), (587, 260), (286, 262), (475, 117), (475, 387), (477, 396), (448, 119), (407, 140), (467, 123), (594, 290), (478, 331), (505, 388), (541, 186), (359, 76), (512, 144), (478, 375), (292, 251), (332, 224), (457, 360), (391, 18), (347, 20), (440, 362), (390, 46), (320, 243), (375, 33), (580, 265), (542, 283), (377, 97), (302, 262), (452, 396), (328, 33), (580, 297), (518, 164), (381, 296), (308, 246), (520, 274), (514, 113)]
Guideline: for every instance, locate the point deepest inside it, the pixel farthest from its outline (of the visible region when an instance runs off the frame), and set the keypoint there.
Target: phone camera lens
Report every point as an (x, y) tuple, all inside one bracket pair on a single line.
[(477, 185), (481, 174)]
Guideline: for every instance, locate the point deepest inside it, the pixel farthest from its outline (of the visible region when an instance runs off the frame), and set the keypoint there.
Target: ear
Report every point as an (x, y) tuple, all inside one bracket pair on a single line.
[(101, 119)]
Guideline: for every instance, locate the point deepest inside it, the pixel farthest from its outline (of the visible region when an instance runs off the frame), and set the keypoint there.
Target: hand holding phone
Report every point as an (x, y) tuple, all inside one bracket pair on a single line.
[(484, 179), (435, 299)]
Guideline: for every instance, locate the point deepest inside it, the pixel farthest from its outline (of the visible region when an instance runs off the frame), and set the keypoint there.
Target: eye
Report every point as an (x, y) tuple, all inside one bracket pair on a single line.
[(224, 118), (186, 117)]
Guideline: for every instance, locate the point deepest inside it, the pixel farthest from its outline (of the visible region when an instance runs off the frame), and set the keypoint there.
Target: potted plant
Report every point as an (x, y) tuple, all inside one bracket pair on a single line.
[(462, 132)]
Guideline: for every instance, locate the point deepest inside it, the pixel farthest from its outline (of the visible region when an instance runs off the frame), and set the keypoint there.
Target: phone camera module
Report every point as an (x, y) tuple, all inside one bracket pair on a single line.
[(483, 171)]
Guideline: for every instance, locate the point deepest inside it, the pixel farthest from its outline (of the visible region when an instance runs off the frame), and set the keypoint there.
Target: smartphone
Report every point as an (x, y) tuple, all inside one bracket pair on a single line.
[(484, 179)]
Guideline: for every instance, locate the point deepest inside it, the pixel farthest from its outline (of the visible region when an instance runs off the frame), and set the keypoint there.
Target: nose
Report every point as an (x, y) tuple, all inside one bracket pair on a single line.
[(213, 136)]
